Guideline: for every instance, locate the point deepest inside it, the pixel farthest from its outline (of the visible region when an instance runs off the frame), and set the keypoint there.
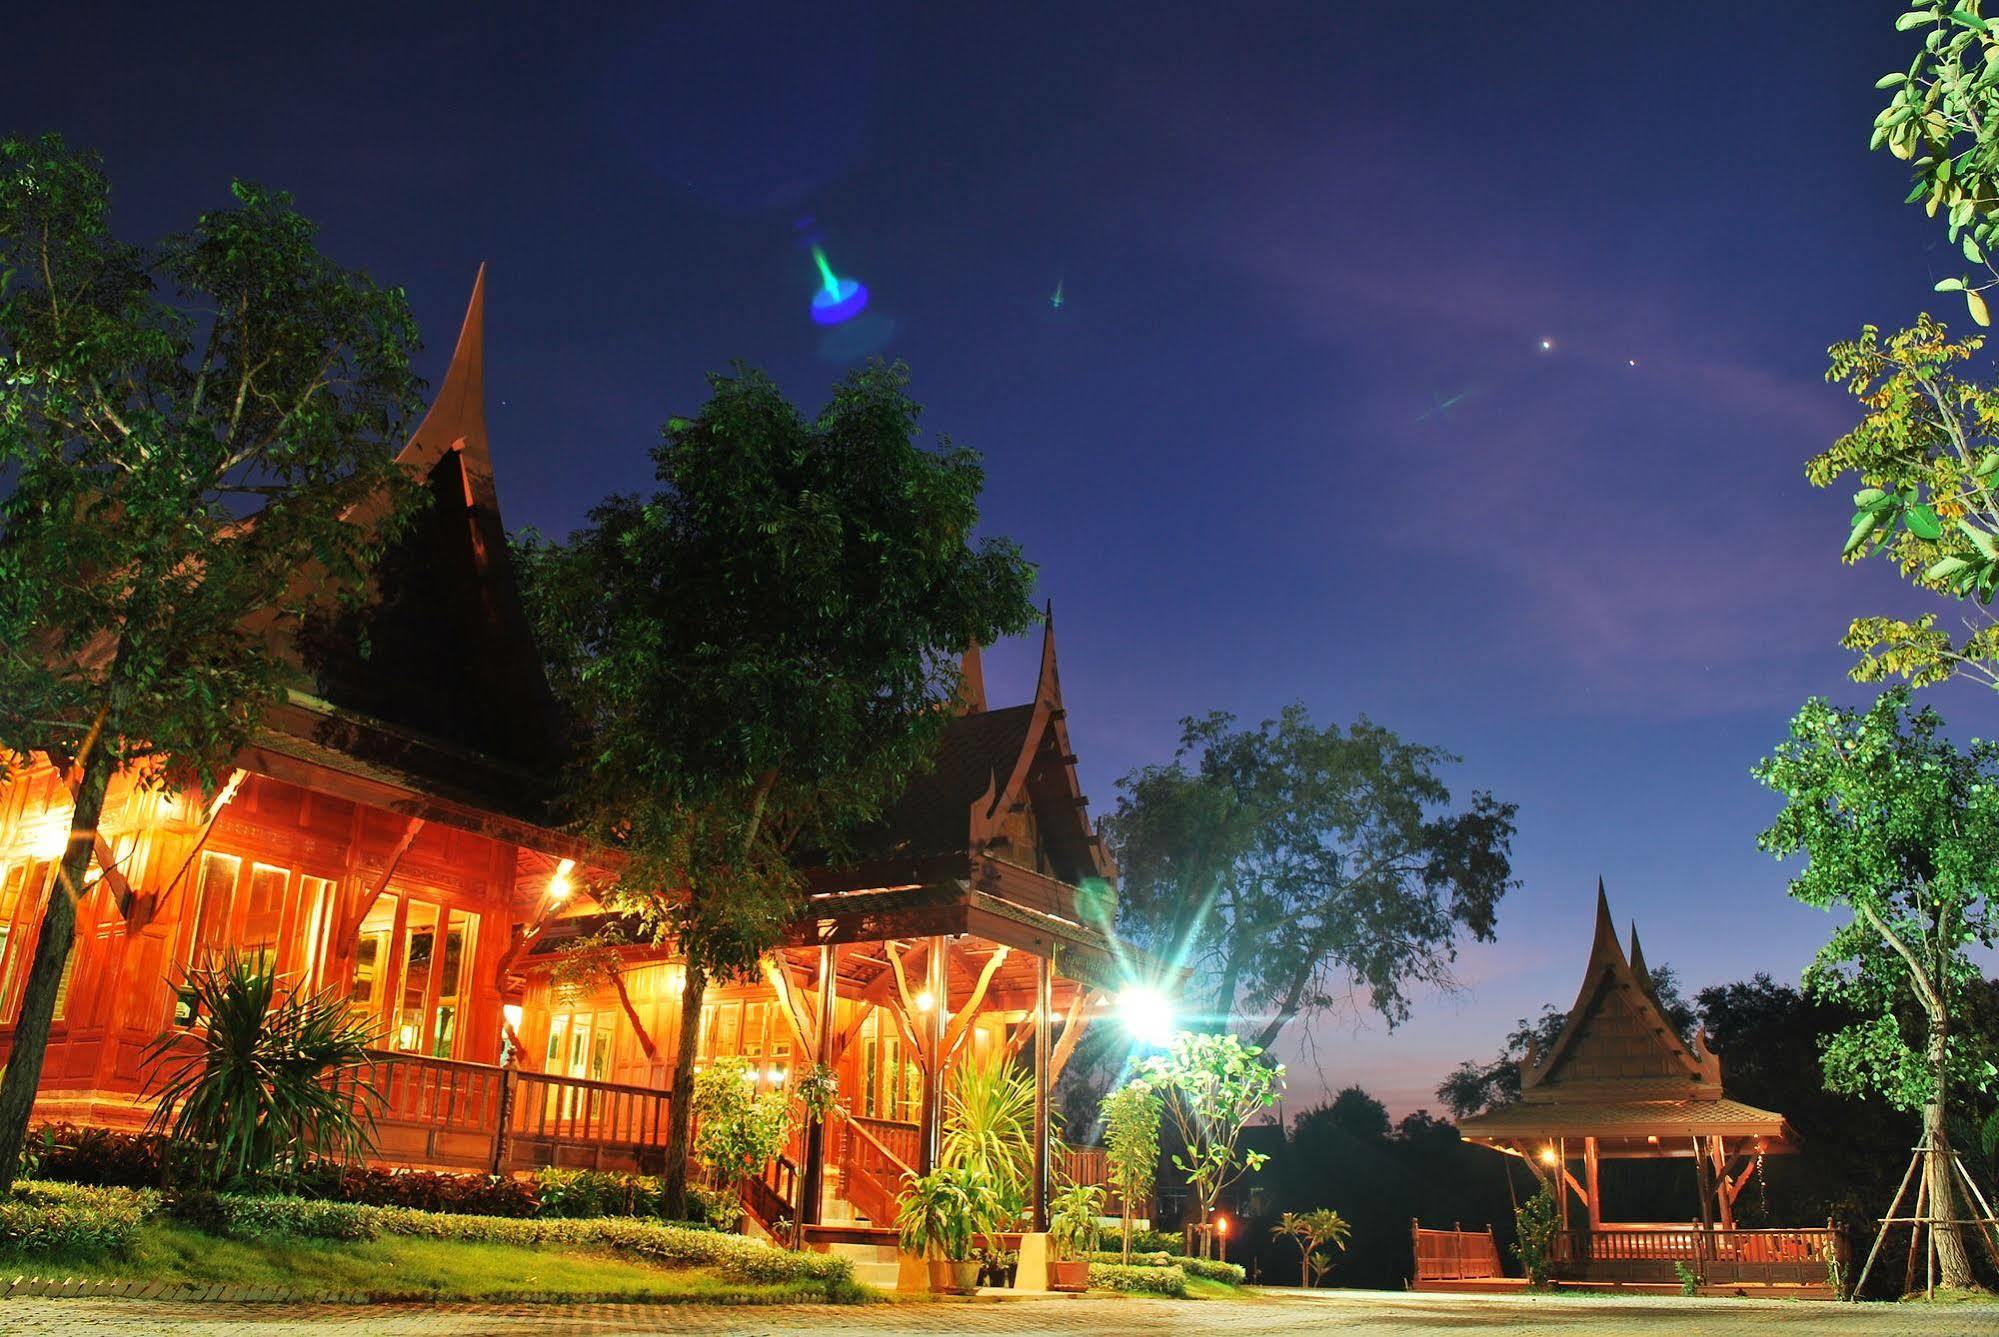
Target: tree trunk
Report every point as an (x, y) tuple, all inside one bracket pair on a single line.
[(1953, 1263), (680, 1102), (52, 947), (650, 1049)]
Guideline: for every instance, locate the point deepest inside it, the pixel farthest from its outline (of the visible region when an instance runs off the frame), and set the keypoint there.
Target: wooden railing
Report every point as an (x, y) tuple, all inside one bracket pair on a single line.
[(1718, 1257), (874, 1155), (1455, 1254), (432, 1111)]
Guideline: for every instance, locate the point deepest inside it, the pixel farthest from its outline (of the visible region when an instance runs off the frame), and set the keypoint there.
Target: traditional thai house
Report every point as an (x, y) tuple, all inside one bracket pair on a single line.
[(1620, 1084), (389, 835)]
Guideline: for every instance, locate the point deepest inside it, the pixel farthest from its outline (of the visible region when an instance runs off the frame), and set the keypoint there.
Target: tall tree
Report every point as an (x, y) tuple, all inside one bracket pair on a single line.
[(1292, 866), (758, 656), (1900, 829), (184, 429)]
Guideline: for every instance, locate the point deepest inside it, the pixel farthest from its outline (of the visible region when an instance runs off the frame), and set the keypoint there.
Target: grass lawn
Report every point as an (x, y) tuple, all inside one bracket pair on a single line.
[(1201, 1288), (404, 1268)]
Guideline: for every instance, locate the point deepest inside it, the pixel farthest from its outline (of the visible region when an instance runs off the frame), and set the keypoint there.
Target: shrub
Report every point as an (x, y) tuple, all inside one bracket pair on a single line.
[(246, 1217), (1210, 1268), (596, 1193), (1158, 1241), (737, 1130), (1536, 1223), (257, 1078), (424, 1190), (1168, 1280), (99, 1156), (67, 1218)]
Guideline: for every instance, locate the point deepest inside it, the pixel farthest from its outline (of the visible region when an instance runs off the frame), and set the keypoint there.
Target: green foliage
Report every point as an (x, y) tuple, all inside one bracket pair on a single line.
[(944, 1211), (1295, 866), (1075, 1220), (989, 1127), (187, 430), (756, 653), (1901, 829), (1690, 1281), (1131, 1116), (1939, 119), (1208, 1269), (818, 1090), (1170, 1280), (69, 1219), (739, 1130), (1536, 1222), (1317, 1234), (1215, 1084), (263, 1078), (1927, 459), (249, 1217)]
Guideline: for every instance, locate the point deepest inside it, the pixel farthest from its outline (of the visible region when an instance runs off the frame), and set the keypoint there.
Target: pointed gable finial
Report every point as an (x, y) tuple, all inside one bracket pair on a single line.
[(1606, 931), (1638, 959), (457, 416), (972, 682), (1048, 685)]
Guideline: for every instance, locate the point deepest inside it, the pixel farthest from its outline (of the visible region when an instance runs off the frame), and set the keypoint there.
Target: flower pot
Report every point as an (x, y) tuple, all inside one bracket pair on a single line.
[(965, 1276), (1069, 1274)]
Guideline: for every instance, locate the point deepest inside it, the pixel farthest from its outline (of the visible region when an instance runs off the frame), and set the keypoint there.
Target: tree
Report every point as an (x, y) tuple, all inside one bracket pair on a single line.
[(1131, 1117), (741, 1129), (758, 656), (184, 430), (1315, 1233), (1214, 1085), (1293, 865), (1901, 829), (1358, 1113)]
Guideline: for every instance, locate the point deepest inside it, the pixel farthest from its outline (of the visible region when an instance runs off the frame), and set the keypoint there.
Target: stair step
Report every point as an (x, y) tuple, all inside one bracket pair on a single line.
[(881, 1275)]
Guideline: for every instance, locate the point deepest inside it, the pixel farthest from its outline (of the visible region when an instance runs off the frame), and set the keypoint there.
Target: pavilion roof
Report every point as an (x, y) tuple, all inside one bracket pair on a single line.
[(1663, 1119)]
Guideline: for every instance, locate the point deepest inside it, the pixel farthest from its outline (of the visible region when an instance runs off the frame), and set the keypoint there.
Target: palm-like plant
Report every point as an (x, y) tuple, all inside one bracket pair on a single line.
[(263, 1077), (1316, 1233), (989, 1128), (1075, 1221), (944, 1211)]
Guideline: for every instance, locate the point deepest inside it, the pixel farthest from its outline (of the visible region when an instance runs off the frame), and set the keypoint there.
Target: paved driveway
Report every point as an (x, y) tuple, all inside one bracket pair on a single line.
[(1347, 1313)]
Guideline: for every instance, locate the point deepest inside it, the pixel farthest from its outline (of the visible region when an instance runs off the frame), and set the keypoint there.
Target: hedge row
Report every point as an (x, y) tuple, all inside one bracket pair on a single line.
[(108, 1158), (1210, 1268), (49, 1218), (1169, 1280), (68, 1218)]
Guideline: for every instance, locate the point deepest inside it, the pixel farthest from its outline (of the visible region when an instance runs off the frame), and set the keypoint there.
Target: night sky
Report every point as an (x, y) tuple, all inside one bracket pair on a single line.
[(1292, 433)]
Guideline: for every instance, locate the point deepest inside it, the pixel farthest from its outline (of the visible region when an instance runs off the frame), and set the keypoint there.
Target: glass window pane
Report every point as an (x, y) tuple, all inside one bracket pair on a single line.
[(215, 900)]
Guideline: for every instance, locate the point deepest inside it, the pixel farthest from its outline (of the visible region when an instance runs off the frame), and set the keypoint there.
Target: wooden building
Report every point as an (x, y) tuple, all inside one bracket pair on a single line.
[(1619, 1084), (390, 836)]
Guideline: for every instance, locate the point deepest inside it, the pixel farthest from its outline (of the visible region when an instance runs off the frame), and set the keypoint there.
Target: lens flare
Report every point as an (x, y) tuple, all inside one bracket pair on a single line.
[(1147, 1016), (837, 300)]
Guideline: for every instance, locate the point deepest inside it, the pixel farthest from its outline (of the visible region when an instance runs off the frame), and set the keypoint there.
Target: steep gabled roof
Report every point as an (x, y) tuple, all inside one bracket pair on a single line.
[(994, 762), (1617, 1044), (441, 647)]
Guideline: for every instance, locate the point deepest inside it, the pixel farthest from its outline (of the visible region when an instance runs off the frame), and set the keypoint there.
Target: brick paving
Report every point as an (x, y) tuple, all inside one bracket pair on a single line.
[(1349, 1314)]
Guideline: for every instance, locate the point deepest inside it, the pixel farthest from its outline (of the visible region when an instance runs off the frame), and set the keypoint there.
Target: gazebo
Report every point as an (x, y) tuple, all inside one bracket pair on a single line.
[(1619, 1083)]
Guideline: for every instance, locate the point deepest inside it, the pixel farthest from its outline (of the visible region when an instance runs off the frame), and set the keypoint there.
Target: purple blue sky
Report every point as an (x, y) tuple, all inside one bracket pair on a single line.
[(1285, 236)]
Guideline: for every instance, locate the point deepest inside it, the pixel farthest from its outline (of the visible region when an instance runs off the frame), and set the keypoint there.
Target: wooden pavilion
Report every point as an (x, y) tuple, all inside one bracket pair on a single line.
[(1619, 1084), (390, 836)]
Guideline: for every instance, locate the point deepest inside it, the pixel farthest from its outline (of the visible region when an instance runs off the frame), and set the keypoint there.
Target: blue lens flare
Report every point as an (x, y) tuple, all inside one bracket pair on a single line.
[(840, 303)]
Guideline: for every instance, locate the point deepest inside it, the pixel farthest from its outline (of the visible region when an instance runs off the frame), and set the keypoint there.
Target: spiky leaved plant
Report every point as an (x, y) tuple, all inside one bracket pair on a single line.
[(989, 1128), (264, 1077)]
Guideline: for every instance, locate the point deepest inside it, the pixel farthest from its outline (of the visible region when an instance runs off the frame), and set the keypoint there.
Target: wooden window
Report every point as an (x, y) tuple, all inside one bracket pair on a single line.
[(371, 961), (214, 905), (315, 908), (449, 986), (13, 877), (870, 1078)]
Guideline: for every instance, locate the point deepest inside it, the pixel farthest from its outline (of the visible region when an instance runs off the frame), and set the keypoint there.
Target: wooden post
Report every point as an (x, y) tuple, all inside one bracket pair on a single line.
[(1701, 1241), (1723, 1197), (811, 1208), (1593, 1206), (1562, 1178), (1044, 1006), (506, 1112), (938, 978)]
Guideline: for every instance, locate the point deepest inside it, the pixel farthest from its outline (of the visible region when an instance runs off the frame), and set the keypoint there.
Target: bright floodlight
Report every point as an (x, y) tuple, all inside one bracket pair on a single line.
[(1147, 1016)]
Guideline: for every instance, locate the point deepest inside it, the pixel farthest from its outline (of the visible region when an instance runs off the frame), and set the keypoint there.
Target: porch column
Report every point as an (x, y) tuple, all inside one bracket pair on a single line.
[(1044, 1005), (1703, 1184), (812, 1209), (1723, 1196), (937, 979), (1594, 1205)]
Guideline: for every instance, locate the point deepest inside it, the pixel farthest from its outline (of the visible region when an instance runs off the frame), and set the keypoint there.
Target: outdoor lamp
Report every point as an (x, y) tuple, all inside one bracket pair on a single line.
[(1547, 1155), (513, 1013), (1222, 1224), (776, 1074), (53, 842), (559, 886), (1147, 1016), (924, 1001)]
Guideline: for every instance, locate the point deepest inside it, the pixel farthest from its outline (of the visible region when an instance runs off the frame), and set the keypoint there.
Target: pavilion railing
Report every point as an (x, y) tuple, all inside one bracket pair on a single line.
[(1719, 1257)]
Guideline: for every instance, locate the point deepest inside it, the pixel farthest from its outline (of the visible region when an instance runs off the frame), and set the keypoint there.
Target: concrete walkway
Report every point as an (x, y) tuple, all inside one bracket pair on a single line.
[(1264, 1314)]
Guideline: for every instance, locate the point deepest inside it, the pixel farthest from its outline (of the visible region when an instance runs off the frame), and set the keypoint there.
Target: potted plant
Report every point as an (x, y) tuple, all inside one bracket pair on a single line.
[(1075, 1226), (942, 1214)]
